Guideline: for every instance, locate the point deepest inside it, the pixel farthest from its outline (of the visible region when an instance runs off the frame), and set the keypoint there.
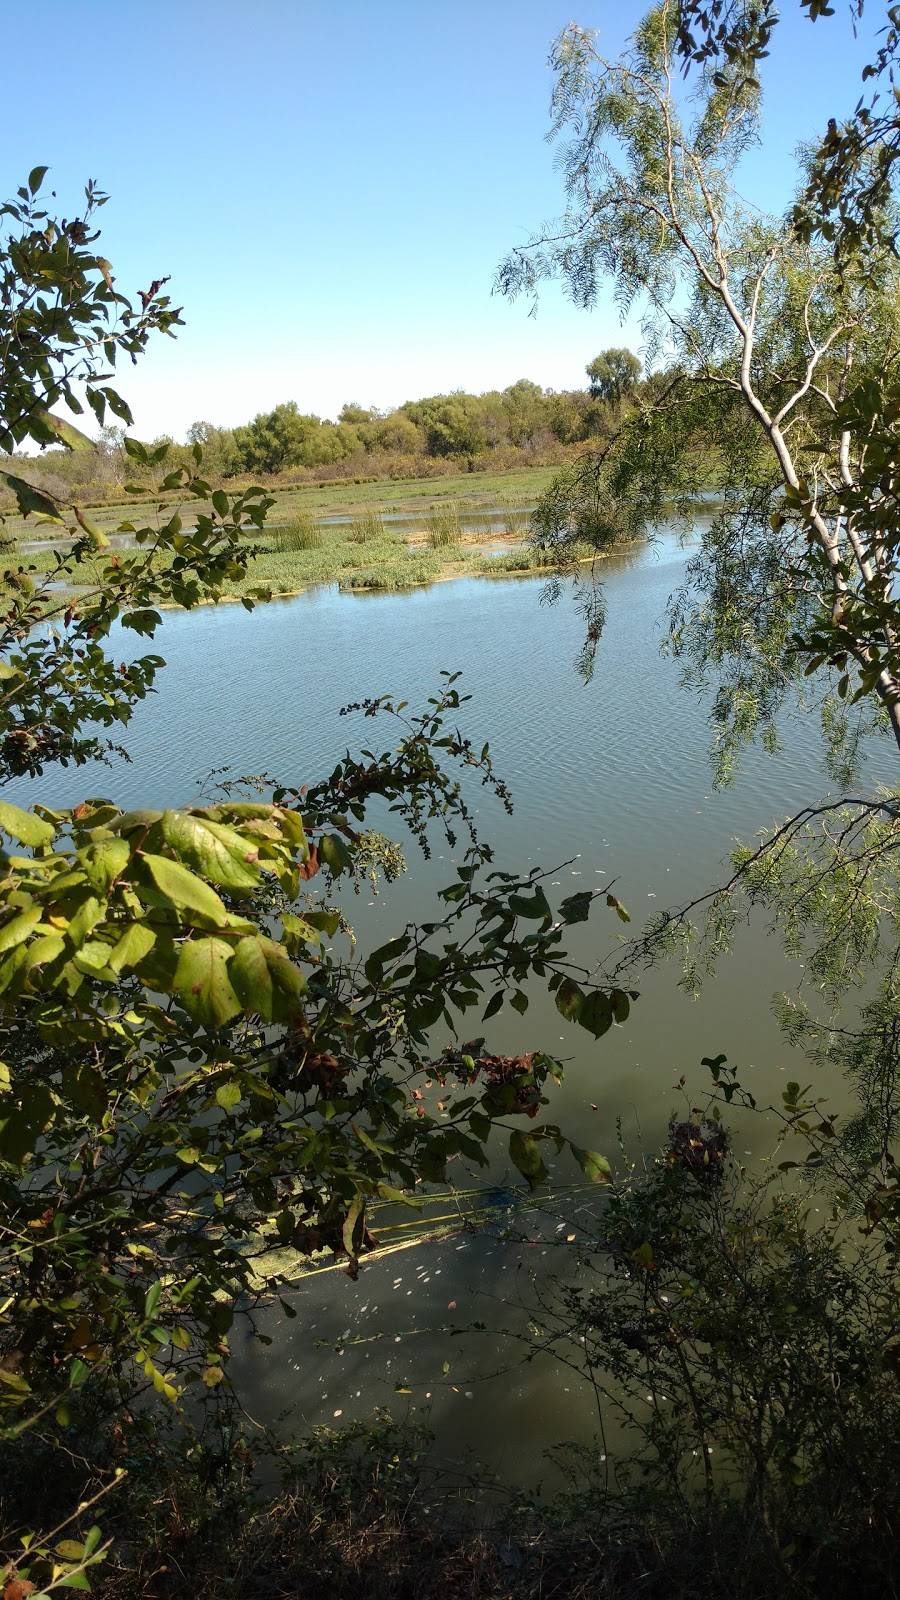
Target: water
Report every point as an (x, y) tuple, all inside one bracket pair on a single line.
[(613, 779)]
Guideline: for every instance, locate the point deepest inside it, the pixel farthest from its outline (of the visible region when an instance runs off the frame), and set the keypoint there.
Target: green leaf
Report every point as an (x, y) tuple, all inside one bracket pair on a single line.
[(538, 906), (104, 862), (35, 178), (525, 1154), (202, 982), (594, 1166), (136, 942), (519, 1002), (228, 1094), (569, 999), (221, 503), (89, 913), (29, 499), (151, 1299), (620, 1004), (214, 850), (334, 853), (327, 921), (94, 1535), (185, 891), (596, 1013), (17, 930), (375, 964), (576, 907), (493, 1006), (24, 825), (266, 979)]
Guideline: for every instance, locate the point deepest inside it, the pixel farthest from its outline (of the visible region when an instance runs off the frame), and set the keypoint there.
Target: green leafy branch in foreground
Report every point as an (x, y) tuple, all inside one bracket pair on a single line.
[(189, 1086)]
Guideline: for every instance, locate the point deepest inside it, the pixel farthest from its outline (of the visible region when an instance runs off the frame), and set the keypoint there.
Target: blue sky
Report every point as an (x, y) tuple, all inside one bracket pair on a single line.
[(331, 183)]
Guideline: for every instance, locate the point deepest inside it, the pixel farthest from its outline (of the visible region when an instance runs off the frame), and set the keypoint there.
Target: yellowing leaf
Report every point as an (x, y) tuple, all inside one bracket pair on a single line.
[(202, 982), (217, 852), (266, 979), (185, 891), (24, 825)]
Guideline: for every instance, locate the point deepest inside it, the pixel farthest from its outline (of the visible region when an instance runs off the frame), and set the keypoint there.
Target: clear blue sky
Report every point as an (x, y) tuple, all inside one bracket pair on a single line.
[(330, 183)]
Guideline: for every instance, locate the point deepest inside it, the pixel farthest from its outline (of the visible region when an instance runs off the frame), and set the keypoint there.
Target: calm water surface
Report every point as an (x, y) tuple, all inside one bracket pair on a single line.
[(613, 779)]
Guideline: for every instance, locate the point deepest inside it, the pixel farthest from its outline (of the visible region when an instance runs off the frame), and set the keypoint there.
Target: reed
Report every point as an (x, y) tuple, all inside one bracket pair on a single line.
[(443, 525), (301, 533), (367, 527)]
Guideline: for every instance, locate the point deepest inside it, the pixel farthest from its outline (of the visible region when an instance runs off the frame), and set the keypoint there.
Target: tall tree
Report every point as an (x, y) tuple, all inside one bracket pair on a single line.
[(779, 361), (613, 374)]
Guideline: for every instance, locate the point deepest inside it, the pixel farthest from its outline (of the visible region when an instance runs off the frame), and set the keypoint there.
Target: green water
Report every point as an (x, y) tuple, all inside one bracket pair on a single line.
[(613, 779)]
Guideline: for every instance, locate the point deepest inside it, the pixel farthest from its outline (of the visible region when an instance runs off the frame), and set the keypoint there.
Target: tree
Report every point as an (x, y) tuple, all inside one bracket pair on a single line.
[(778, 359), (453, 424), (613, 374), (848, 194), (276, 439), (201, 1080)]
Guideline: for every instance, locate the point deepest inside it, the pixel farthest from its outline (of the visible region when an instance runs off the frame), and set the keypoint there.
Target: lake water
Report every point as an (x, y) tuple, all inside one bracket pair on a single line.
[(614, 778)]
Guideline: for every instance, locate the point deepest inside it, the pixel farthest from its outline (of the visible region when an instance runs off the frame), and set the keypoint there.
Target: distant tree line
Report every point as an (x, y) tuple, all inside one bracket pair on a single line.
[(499, 427)]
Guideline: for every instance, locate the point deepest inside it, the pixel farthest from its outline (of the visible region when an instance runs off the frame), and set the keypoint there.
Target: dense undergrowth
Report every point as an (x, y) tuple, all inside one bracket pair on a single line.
[(763, 1342)]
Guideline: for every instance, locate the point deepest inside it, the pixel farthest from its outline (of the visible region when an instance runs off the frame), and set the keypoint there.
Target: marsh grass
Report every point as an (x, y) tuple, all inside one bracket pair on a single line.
[(443, 527), (367, 527), (516, 517), (300, 533)]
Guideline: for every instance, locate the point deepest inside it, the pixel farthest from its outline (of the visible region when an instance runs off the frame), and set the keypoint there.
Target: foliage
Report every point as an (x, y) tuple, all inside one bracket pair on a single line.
[(777, 373), (63, 323), (613, 374), (61, 329), (749, 1353), (301, 533), (367, 527), (443, 525), (848, 195)]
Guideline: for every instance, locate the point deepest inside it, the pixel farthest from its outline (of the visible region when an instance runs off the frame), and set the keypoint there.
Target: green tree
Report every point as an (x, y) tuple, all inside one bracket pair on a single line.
[(777, 361), (276, 439), (613, 374), (453, 424)]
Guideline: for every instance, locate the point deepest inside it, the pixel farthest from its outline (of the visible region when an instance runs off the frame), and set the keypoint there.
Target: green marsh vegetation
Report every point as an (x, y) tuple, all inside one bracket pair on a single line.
[(367, 527), (301, 533), (742, 1331), (443, 525)]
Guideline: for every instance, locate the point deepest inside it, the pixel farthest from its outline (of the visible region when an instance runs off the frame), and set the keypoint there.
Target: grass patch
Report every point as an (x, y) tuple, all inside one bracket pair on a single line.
[(443, 525), (516, 516), (300, 533)]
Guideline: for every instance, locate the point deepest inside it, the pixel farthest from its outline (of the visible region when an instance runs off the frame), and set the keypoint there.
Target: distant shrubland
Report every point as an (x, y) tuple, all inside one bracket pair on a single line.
[(521, 425)]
